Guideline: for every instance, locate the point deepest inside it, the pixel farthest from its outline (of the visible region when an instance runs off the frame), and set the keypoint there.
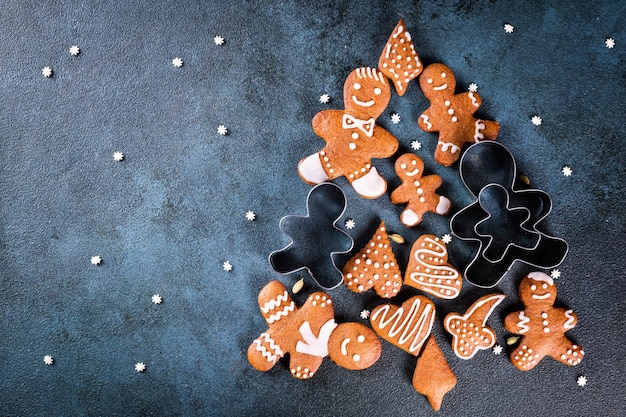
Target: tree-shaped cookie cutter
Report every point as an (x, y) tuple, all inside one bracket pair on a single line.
[(501, 219), (316, 241)]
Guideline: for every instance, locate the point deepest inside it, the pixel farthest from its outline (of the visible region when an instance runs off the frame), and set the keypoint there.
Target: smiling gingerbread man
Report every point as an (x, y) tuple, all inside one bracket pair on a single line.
[(452, 115), (352, 136), (541, 325)]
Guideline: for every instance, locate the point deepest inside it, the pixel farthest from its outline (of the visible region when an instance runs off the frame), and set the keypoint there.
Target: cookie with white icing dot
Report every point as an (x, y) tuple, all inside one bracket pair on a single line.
[(399, 60)]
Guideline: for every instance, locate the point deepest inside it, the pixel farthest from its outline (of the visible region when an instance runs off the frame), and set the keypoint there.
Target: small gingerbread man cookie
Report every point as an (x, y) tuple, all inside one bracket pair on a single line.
[(309, 334), (417, 191), (452, 115), (352, 136), (541, 325)]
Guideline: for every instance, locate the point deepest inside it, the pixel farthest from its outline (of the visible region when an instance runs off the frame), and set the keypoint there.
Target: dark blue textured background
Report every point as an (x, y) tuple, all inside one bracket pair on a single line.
[(166, 217)]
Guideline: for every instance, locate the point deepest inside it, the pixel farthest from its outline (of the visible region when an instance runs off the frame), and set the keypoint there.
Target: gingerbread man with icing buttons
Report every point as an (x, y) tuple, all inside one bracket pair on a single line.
[(352, 136), (309, 334), (541, 325), (452, 115), (417, 190)]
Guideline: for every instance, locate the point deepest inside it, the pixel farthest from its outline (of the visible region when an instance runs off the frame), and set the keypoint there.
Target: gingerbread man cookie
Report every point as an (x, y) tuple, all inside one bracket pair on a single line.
[(399, 60), (541, 325), (452, 115), (352, 136), (417, 191), (309, 334)]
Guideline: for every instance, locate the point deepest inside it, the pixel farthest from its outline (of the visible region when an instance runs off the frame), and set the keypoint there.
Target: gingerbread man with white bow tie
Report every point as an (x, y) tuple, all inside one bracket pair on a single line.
[(352, 136)]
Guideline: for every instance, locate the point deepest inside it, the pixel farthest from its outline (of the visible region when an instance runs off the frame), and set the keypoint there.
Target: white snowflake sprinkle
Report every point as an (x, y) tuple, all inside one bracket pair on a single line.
[(48, 360), (324, 98), (250, 215), (472, 88), (227, 266), (350, 224), (222, 130), (509, 28), (218, 40), (536, 120), (46, 72), (118, 156), (365, 314), (395, 118), (140, 367), (581, 381), (74, 50), (96, 260), (497, 349), (447, 238), (416, 145), (177, 62), (567, 171), (157, 299), (555, 273), (610, 43)]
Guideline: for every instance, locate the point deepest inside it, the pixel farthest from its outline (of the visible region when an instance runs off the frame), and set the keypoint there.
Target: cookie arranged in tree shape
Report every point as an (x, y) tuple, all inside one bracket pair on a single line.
[(399, 60), (374, 266), (309, 334), (352, 136), (541, 325), (433, 376), (417, 191), (452, 115), (429, 271), (470, 332)]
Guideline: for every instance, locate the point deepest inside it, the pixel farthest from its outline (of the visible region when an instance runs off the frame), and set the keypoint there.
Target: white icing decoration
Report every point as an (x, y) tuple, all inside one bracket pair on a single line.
[(365, 126), (409, 217), (540, 276), (429, 125), (412, 326), (358, 102), (440, 87), (413, 173), (431, 273), (444, 205), (449, 145), (311, 169), (523, 328), (315, 345), (569, 324), (371, 185), (276, 353), (541, 297), (479, 125), (344, 344), (474, 101)]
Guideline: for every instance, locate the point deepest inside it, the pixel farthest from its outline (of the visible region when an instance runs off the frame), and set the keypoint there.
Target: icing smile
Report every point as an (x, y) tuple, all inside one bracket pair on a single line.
[(344, 344), (541, 297), (413, 173), (440, 87), (358, 102)]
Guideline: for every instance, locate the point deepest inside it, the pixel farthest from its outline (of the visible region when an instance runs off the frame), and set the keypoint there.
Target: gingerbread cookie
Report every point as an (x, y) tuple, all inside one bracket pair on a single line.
[(470, 332), (374, 266), (406, 327), (429, 271), (352, 136), (309, 334), (451, 114), (399, 60), (541, 325), (417, 191), (433, 377)]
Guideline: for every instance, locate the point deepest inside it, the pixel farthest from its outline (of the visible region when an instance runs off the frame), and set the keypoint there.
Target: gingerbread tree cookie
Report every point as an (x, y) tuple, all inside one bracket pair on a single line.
[(417, 191), (541, 325), (399, 60), (433, 376), (374, 266), (452, 115), (352, 136)]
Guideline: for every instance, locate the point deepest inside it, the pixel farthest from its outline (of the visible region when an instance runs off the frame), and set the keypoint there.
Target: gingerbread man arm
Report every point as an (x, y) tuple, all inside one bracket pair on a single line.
[(399, 195), (426, 121), (383, 145), (325, 123), (516, 322), (470, 99)]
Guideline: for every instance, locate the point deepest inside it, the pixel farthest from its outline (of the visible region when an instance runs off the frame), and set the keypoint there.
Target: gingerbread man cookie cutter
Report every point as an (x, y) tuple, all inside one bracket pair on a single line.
[(502, 220), (312, 235)]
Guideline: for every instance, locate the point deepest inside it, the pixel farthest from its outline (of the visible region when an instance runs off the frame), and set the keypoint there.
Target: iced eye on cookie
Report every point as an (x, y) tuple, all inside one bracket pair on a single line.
[(430, 81), (357, 86), (403, 166), (533, 287), (360, 339), (443, 75), (377, 91)]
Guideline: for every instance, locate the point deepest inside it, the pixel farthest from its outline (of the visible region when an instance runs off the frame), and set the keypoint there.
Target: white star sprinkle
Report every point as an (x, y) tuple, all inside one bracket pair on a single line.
[(324, 98), (222, 130), (227, 266), (581, 381), (536, 120), (46, 72), (218, 40), (610, 43), (250, 215), (497, 349), (395, 118), (157, 299), (96, 260), (74, 50), (177, 62), (118, 156), (350, 224), (508, 28), (472, 88), (447, 238), (365, 314), (140, 367), (567, 171), (48, 360), (416, 145), (555, 273)]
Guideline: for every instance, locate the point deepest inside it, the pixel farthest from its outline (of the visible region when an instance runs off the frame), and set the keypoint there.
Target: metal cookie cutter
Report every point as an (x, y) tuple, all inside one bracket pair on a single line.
[(502, 220), (315, 238)]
